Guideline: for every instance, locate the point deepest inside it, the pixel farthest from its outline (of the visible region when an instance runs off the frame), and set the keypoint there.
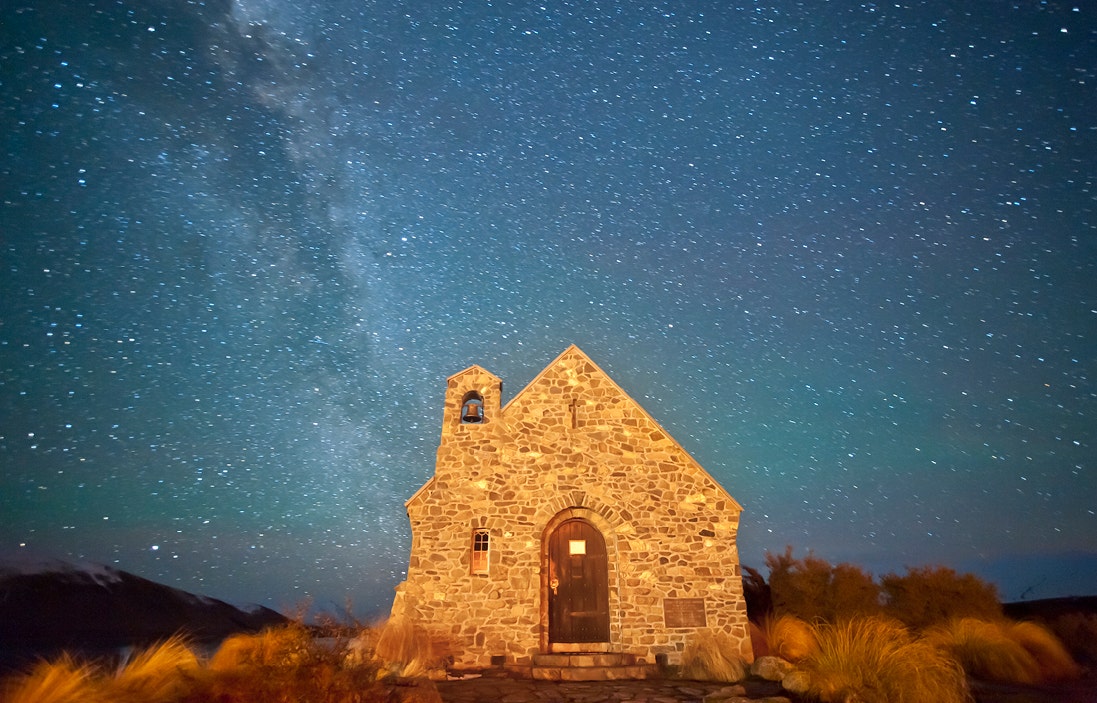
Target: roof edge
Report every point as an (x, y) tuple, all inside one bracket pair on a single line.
[(475, 367)]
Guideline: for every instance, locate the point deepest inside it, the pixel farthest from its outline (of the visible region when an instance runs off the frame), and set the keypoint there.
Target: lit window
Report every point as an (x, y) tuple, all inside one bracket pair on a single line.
[(577, 547), (480, 549)]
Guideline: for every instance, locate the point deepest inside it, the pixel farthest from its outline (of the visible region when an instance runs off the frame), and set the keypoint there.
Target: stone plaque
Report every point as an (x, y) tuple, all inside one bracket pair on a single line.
[(684, 612)]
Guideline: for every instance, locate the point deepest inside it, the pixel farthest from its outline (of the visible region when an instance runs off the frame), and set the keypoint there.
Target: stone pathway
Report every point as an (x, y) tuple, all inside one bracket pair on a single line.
[(508, 690)]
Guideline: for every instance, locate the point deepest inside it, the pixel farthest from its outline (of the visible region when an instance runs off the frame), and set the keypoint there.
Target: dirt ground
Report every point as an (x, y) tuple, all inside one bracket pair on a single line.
[(1081, 691)]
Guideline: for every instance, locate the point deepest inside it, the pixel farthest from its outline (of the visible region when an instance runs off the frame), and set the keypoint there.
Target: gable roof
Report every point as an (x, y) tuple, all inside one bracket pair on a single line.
[(572, 350), (575, 351), (475, 368)]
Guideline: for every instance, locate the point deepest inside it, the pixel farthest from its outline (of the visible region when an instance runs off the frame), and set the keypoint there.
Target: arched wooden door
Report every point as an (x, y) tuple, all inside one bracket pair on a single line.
[(578, 583)]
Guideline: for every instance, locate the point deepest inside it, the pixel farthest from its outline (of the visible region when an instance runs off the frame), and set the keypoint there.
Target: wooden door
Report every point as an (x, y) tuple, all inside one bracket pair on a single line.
[(578, 584)]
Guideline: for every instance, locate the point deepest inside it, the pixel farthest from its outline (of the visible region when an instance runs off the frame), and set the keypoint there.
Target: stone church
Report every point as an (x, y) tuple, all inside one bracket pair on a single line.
[(566, 534)]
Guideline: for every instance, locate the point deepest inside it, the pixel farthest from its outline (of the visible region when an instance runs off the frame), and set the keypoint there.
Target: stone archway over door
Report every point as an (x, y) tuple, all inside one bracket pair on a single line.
[(578, 594)]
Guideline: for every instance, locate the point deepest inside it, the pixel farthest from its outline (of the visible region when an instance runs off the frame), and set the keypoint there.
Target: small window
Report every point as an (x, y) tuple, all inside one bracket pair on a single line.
[(481, 543)]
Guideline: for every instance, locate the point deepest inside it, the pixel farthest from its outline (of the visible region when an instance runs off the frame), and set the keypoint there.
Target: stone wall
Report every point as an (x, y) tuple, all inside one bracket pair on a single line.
[(571, 444)]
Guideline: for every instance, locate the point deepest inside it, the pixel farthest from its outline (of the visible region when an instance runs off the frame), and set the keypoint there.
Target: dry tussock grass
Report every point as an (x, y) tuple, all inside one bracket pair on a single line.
[(407, 649), (789, 637), (154, 674), (1052, 658), (63, 680), (877, 660), (712, 656), (1009, 652), (276, 646), (985, 650), (279, 665), (157, 673)]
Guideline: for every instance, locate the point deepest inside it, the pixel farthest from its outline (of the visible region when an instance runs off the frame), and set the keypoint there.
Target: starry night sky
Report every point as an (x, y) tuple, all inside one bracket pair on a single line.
[(847, 256)]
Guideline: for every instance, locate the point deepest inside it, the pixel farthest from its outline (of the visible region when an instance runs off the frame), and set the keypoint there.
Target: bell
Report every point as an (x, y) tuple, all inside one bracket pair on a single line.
[(472, 412)]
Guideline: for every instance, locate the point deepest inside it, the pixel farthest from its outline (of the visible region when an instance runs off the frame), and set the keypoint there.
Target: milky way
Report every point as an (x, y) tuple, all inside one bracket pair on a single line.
[(847, 257)]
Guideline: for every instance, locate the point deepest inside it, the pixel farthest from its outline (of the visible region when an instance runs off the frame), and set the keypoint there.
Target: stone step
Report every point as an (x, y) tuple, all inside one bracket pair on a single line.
[(591, 673), (584, 659), (588, 666)]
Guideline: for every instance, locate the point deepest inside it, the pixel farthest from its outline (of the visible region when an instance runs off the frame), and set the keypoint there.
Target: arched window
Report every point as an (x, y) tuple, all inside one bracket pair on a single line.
[(481, 550), (472, 409)]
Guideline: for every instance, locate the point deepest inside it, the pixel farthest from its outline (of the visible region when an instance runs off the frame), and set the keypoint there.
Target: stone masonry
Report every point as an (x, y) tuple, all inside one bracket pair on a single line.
[(570, 445)]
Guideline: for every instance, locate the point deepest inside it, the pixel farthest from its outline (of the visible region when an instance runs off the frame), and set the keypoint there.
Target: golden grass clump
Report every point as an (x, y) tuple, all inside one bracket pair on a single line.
[(877, 660), (60, 681), (406, 649), (286, 645), (1052, 658), (985, 650), (789, 637), (712, 656), (155, 673), (281, 665)]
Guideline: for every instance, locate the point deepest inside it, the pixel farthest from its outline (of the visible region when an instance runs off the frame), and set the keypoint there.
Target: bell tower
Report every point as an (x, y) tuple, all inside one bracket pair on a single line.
[(473, 400)]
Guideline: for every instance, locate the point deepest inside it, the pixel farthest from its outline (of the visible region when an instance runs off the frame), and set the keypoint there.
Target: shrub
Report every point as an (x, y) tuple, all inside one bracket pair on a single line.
[(985, 650), (811, 588), (789, 637), (60, 681), (712, 656), (756, 593), (929, 595), (852, 592), (877, 660), (797, 585)]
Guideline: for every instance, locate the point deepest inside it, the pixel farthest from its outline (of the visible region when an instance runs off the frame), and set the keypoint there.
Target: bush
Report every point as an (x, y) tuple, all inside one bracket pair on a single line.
[(929, 595), (877, 660), (756, 593), (811, 588), (852, 592), (712, 656)]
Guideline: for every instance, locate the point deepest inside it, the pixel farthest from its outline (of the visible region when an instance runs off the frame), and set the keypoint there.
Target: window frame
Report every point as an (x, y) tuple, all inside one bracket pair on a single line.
[(480, 556)]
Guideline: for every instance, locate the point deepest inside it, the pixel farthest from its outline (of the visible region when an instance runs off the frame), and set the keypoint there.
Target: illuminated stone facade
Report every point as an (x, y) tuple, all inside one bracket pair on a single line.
[(571, 446)]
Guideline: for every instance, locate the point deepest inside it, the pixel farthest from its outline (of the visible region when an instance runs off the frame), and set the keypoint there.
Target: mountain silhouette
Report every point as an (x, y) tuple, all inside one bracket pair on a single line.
[(52, 606)]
